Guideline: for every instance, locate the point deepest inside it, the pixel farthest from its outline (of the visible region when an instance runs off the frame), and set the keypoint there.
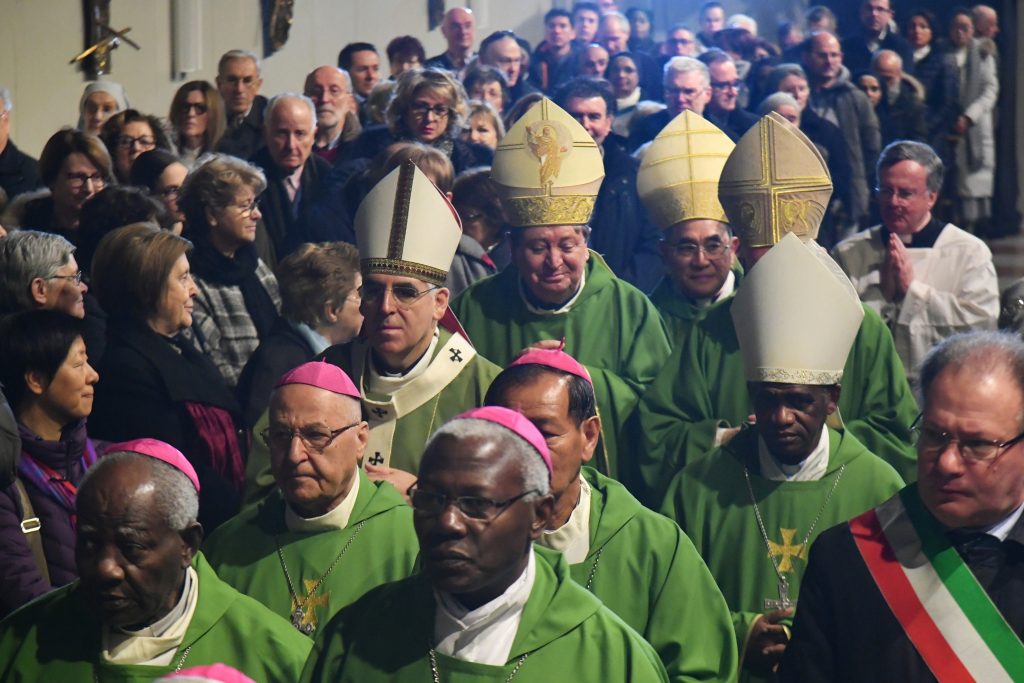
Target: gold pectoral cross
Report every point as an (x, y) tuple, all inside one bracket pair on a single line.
[(786, 550), (304, 613)]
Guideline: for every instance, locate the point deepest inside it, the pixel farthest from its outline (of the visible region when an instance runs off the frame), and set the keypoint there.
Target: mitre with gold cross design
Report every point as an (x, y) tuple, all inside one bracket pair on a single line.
[(406, 226), (548, 169), (678, 179), (775, 182)]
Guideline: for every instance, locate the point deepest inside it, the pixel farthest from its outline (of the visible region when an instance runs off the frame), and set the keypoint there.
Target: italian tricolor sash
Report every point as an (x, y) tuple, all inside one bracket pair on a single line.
[(943, 609)]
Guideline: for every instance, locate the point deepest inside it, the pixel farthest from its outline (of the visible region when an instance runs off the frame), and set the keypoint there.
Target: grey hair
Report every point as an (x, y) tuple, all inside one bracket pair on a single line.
[(886, 53), (682, 65), (776, 100), (617, 17), (277, 100), (534, 469), (175, 498), (981, 352), (783, 71), (909, 150), (24, 256), (743, 21), (5, 95), (232, 55)]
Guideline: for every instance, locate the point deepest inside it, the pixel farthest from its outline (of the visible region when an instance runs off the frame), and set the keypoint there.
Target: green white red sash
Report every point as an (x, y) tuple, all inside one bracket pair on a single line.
[(943, 609)]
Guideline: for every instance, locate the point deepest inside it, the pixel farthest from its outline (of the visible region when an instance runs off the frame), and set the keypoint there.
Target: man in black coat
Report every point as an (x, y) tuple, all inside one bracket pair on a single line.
[(239, 83), (18, 171), (876, 33)]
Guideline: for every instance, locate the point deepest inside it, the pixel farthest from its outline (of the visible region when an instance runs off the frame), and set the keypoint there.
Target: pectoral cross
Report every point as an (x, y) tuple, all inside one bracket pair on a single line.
[(456, 355), (786, 550), (783, 602), (304, 614), (377, 458)]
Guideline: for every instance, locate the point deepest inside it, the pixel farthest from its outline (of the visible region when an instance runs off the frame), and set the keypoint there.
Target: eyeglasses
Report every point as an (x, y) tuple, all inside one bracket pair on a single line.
[(199, 107), (143, 141), (170, 191), (404, 295), (689, 250), (76, 278), (314, 440), (888, 193), (421, 109), (722, 85), (428, 504), (248, 210), (933, 442), (77, 180)]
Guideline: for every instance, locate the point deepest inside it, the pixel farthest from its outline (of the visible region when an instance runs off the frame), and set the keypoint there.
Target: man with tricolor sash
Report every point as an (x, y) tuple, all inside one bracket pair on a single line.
[(929, 586)]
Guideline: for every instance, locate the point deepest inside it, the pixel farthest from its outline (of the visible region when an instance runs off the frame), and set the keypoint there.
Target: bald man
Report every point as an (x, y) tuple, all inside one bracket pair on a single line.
[(900, 110), (458, 29), (337, 119)]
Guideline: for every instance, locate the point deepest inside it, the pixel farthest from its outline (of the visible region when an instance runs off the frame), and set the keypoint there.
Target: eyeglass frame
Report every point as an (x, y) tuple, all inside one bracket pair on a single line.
[(200, 107), (498, 506), (129, 142), (1000, 447), (76, 277), (736, 85), (699, 247), (421, 110), (77, 181), (313, 448), (247, 211), (404, 305)]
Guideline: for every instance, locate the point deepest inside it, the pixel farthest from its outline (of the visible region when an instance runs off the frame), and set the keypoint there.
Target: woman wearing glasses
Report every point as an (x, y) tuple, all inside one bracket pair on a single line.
[(129, 134), (162, 174), (154, 381), (429, 107), (238, 301), (198, 120)]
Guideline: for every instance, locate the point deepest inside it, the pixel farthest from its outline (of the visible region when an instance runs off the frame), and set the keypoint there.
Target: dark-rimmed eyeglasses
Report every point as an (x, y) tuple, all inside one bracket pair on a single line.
[(142, 141), (405, 295), (421, 109), (932, 442), (313, 439), (199, 107), (429, 504), (77, 180), (722, 85)]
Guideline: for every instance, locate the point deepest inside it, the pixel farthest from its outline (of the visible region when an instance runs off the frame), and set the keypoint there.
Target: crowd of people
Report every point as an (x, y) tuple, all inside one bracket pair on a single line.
[(521, 361)]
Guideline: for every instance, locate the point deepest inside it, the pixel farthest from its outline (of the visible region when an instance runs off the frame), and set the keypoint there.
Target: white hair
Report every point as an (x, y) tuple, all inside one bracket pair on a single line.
[(175, 498), (277, 100), (776, 100), (682, 65), (742, 21)]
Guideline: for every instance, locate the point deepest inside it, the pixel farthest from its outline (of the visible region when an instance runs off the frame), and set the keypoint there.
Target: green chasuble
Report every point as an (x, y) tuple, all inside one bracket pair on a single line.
[(645, 569), (704, 387), (710, 501), (56, 639), (681, 313), (383, 548), (565, 634), (612, 329)]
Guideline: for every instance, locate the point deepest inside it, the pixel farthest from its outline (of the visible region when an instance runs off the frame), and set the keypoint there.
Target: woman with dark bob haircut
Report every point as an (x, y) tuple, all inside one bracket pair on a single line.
[(130, 133), (154, 381), (197, 119), (49, 382), (429, 107)]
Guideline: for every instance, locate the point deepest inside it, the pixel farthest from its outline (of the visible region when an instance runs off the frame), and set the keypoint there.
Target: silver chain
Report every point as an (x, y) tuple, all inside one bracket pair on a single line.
[(312, 592), (593, 568), (437, 674), (760, 522), (181, 663)]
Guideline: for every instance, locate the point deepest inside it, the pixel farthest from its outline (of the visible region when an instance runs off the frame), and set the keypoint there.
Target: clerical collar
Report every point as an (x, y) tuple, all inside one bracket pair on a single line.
[(483, 635), (924, 238), (538, 307), (728, 287), (572, 539), (812, 468), (384, 382), (336, 518)]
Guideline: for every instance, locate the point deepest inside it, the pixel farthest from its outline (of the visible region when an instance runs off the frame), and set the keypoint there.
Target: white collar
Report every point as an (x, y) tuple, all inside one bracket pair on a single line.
[(485, 634), (336, 518), (1002, 529), (378, 383), (630, 100), (922, 52), (564, 308), (572, 539), (812, 468)]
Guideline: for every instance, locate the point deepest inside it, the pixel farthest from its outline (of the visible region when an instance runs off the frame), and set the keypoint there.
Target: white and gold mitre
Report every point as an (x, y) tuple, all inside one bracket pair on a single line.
[(775, 182), (548, 169), (678, 179), (796, 315), (406, 226)]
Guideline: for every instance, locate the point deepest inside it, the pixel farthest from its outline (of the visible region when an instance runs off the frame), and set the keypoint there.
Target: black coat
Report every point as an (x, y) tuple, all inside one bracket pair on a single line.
[(844, 630), (375, 139), (245, 139), (281, 350), (648, 129), (143, 387), (18, 171), (938, 73), (904, 119), (857, 55)]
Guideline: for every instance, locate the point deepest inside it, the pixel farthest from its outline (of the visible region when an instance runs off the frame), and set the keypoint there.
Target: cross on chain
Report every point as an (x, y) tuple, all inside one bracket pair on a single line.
[(456, 355)]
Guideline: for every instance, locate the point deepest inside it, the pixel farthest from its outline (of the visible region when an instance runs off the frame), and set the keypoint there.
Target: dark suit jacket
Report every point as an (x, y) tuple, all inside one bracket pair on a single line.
[(18, 171), (857, 56), (245, 139), (282, 350)]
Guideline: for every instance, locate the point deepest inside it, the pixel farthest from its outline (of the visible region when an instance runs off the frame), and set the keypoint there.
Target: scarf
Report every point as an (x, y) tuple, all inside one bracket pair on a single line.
[(39, 461), (240, 271)]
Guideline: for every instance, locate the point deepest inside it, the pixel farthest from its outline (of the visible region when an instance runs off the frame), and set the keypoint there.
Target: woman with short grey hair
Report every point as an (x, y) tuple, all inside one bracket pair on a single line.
[(38, 270)]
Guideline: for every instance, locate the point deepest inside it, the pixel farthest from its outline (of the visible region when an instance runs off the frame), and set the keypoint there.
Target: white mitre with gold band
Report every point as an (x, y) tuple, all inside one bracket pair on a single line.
[(406, 226), (678, 179), (774, 182), (796, 316), (548, 169)]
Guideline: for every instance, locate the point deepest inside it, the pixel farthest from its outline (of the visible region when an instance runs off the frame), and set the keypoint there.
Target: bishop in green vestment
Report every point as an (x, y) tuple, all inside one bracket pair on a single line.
[(663, 591), (487, 606), (147, 602)]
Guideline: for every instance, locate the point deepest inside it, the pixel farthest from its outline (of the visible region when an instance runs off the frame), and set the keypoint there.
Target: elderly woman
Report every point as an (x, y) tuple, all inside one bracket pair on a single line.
[(429, 107), (198, 120), (46, 374), (319, 308), (154, 381), (487, 84), (129, 134), (100, 100), (483, 125), (38, 270), (162, 174), (238, 300), (74, 166)]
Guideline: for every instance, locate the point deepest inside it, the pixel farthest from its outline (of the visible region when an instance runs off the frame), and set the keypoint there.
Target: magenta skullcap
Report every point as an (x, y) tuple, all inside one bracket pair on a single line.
[(514, 422), (159, 450), (322, 375), (213, 673), (553, 358)]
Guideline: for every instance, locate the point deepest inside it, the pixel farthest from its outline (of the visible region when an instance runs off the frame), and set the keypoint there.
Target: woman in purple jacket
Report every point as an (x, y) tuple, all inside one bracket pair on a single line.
[(48, 380)]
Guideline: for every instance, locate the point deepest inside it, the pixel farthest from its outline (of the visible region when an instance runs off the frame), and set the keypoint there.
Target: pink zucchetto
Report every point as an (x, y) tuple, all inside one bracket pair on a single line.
[(553, 358), (214, 673), (322, 375), (514, 422), (159, 450)]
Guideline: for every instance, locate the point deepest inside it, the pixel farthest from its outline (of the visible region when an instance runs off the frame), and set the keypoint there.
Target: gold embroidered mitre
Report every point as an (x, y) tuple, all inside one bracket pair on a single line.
[(796, 315), (406, 226), (548, 169), (678, 179), (773, 183)]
